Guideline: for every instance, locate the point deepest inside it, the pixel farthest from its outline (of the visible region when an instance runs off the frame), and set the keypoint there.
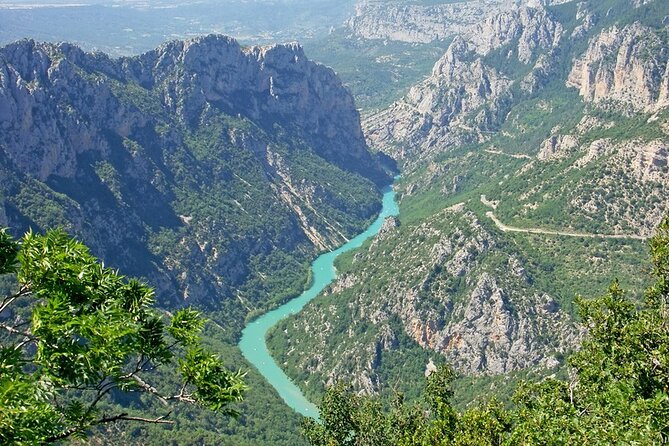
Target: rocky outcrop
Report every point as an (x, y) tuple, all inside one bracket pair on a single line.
[(200, 165), (433, 112), (529, 30), (491, 329), (625, 68), (464, 97), (418, 23), (388, 228), (484, 338), (649, 160), (36, 86), (557, 146)]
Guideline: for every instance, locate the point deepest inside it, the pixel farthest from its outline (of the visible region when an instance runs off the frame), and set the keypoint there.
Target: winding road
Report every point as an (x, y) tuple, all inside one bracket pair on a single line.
[(506, 228)]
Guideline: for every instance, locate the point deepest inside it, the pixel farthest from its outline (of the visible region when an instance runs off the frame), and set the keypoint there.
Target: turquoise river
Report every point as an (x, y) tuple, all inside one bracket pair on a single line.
[(253, 344)]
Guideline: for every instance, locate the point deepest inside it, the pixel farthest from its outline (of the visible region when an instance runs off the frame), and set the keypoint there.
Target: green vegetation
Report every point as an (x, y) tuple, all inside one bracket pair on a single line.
[(384, 273), (370, 322), (263, 418), (617, 390), (75, 332), (377, 72), (211, 206)]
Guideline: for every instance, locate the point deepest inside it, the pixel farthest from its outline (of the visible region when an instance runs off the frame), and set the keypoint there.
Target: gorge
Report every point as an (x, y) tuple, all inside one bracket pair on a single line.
[(323, 273), (532, 138)]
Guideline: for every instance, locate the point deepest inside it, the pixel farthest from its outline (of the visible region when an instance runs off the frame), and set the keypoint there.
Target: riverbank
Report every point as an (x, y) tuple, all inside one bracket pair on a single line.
[(252, 343)]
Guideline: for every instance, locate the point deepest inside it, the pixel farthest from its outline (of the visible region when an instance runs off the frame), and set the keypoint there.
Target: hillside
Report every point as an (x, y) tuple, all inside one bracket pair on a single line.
[(550, 121), (213, 171)]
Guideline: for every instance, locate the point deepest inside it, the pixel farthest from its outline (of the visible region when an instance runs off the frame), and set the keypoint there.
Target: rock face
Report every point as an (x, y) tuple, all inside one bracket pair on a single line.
[(529, 29), (557, 146), (197, 165), (625, 66), (418, 23), (275, 84), (440, 291), (424, 23), (432, 113), (464, 93)]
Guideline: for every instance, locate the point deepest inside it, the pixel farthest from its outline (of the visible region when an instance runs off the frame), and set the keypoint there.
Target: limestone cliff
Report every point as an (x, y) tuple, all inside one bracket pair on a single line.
[(626, 67), (201, 165), (465, 94), (528, 29), (418, 23)]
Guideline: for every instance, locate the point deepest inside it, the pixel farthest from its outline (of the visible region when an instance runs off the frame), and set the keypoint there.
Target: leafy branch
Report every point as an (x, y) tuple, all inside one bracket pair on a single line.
[(81, 331)]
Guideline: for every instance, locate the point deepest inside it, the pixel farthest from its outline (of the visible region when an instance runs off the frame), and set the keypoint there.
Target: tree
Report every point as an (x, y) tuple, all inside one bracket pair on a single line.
[(74, 331), (356, 420), (617, 393), (619, 387)]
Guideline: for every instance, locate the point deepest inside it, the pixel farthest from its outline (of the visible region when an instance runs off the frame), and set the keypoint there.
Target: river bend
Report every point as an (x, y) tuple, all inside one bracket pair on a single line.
[(253, 345)]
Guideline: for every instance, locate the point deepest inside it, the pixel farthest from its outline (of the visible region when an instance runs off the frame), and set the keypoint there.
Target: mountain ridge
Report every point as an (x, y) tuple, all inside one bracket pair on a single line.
[(498, 119), (141, 135)]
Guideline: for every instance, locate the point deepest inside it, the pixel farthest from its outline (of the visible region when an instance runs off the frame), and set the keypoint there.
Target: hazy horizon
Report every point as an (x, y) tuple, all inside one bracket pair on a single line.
[(133, 26)]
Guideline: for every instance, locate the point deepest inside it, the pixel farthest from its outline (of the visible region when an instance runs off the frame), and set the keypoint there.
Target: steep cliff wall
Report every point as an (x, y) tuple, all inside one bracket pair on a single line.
[(418, 23), (625, 67), (214, 170), (465, 92)]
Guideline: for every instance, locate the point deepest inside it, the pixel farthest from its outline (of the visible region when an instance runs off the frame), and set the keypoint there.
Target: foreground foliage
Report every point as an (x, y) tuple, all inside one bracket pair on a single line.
[(75, 331), (617, 393)]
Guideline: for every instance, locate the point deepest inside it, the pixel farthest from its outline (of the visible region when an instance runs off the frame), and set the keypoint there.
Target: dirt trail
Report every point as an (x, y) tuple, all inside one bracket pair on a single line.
[(506, 228)]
